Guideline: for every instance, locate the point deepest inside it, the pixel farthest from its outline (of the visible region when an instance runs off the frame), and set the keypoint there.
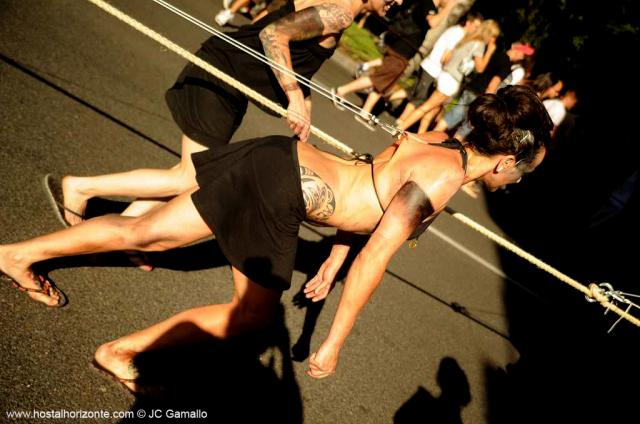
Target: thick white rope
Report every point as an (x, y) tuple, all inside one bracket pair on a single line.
[(317, 88), (275, 107), (593, 291), (248, 50)]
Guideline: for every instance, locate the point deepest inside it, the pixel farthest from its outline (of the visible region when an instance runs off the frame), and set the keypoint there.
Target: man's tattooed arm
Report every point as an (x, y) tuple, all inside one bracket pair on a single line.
[(324, 19), (319, 201)]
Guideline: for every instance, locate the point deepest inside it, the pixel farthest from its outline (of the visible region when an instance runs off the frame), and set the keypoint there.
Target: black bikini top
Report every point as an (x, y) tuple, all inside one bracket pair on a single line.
[(451, 143)]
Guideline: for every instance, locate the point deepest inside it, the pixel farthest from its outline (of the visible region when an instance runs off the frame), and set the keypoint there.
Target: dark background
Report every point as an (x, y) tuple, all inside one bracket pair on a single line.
[(559, 211), (591, 46)]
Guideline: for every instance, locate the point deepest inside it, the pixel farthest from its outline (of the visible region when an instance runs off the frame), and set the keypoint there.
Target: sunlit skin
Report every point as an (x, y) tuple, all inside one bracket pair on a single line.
[(414, 181), (391, 198), (321, 19), (510, 172), (312, 18)]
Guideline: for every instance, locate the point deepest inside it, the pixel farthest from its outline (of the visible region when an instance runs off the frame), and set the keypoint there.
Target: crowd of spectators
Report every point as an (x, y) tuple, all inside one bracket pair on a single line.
[(465, 61)]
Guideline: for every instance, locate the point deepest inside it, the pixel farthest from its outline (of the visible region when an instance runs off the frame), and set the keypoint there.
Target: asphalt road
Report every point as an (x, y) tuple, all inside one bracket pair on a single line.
[(459, 331)]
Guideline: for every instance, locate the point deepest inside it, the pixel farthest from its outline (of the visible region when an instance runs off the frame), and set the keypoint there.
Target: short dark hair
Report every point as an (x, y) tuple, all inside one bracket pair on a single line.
[(512, 121)]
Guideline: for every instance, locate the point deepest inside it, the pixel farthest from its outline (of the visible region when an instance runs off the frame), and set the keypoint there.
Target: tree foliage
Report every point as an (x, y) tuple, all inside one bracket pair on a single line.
[(569, 34)]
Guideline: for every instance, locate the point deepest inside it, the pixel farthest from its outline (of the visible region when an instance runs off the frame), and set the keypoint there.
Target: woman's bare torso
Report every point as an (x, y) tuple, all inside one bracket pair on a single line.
[(340, 193)]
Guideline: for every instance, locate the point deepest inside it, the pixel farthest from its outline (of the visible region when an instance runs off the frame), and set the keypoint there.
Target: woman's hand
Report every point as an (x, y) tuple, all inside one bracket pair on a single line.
[(319, 286), (324, 362)]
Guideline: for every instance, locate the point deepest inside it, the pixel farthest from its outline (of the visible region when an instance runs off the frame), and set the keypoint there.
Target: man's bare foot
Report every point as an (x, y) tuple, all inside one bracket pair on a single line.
[(37, 287), (117, 361), (75, 203)]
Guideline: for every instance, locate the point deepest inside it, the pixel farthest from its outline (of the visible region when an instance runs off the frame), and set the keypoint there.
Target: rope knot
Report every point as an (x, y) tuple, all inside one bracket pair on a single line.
[(597, 293)]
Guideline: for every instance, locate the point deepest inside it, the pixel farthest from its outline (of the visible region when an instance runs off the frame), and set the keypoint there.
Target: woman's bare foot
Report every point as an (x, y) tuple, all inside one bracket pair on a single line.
[(117, 361), (75, 202), (15, 269)]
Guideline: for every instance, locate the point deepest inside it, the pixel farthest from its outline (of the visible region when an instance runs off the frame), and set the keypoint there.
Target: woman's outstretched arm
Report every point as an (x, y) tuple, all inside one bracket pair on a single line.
[(408, 209)]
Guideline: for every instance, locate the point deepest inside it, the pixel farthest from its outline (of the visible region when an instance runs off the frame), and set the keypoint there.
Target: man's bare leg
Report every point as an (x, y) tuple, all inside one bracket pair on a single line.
[(399, 94), (154, 231), (251, 308), (371, 101), (355, 85), (139, 183), (137, 208)]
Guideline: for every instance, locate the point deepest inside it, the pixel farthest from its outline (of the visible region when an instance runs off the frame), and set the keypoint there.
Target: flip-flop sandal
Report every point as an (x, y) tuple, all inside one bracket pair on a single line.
[(48, 288), (53, 190)]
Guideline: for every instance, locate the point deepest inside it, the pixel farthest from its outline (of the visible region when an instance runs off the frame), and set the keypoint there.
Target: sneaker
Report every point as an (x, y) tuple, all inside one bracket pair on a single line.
[(364, 122), (337, 101), (244, 9), (224, 17)]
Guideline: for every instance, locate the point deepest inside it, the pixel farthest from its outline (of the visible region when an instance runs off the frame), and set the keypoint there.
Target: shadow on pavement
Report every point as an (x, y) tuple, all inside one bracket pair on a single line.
[(244, 379), (207, 254), (423, 407), (311, 255), (570, 369)]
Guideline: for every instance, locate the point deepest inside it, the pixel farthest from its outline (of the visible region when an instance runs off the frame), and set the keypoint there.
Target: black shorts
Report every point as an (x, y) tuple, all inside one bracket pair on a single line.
[(207, 110), (251, 198)]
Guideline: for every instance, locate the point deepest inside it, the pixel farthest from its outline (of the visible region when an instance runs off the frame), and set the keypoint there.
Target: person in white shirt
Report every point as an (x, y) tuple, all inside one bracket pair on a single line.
[(559, 106), (431, 66), (473, 52)]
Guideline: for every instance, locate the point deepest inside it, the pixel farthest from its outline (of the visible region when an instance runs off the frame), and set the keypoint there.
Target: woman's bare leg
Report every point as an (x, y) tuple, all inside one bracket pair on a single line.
[(408, 109), (436, 99), (143, 183), (171, 225), (251, 308), (441, 125), (425, 122)]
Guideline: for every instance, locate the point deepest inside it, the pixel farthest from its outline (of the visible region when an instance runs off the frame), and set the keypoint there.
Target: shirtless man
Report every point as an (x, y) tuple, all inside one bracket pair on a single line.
[(255, 207), (208, 112)]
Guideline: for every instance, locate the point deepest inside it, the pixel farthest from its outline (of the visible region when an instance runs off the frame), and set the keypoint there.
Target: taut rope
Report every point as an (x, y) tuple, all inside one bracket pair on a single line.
[(344, 103), (249, 92), (592, 292), (597, 292)]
